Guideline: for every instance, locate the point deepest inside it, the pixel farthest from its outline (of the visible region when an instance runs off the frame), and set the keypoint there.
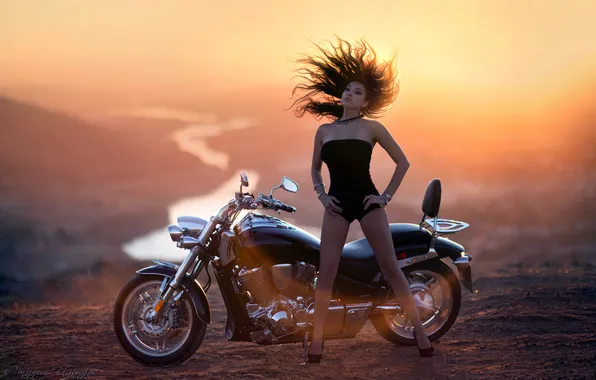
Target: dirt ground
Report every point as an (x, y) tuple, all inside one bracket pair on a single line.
[(526, 322)]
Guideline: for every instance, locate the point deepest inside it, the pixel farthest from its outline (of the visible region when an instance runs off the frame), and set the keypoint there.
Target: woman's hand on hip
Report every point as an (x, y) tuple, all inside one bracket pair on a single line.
[(374, 199), (329, 202)]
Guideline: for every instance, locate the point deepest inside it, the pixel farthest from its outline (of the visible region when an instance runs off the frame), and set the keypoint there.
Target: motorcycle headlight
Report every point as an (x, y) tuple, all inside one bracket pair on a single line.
[(175, 232), (192, 224)]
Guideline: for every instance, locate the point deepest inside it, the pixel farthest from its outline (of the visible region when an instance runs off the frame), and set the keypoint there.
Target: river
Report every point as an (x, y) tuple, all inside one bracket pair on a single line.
[(192, 139)]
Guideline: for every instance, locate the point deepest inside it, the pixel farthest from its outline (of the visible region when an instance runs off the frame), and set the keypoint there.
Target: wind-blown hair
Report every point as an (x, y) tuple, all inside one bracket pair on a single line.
[(328, 73)]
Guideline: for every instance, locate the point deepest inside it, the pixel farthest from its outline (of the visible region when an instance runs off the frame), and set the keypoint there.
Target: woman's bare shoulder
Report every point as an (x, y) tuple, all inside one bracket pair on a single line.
[(374, 123), (377, 128), (324, 126), (323, 130)]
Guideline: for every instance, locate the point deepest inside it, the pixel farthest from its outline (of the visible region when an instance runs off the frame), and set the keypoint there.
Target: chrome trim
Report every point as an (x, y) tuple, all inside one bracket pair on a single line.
[(417, 259), (358, 314), (165, 264), (243, 180), (397, 309), (192, 223), (175, 283), (465, 271), (175, 232), (465, 259), (358, 305), (451, 226), (202, 240), (164, 283), (281, 322), (281, 274), (144, 336), (334, 321), (356, 317), (286, 187), (389, 309), (306, 273), (178, 296), (433, 296), (187, 242), (273, 189)]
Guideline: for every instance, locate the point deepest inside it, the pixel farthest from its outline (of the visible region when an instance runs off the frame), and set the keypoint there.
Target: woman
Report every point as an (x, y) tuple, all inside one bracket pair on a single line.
[(346, 84)]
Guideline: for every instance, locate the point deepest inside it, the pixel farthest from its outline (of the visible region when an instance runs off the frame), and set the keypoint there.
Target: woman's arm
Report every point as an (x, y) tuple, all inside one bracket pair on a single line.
[(317, 162), (385, 139)]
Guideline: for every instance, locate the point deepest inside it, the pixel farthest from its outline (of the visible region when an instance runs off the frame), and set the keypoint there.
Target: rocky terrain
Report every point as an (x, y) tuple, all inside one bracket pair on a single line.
[(72, 192)]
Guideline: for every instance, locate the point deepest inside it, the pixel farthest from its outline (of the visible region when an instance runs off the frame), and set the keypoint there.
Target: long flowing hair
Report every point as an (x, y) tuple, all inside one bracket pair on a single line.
[(327, 74)]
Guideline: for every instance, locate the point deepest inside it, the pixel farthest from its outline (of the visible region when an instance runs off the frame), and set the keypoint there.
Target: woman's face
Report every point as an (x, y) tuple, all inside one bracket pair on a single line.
[(354, 96)]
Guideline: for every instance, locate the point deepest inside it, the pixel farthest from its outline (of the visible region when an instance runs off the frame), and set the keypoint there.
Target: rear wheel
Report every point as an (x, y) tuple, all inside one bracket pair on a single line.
[(437, 293), (171, 340)]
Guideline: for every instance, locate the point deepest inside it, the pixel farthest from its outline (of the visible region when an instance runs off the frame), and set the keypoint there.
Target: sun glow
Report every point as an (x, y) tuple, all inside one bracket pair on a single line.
[(482, 53)]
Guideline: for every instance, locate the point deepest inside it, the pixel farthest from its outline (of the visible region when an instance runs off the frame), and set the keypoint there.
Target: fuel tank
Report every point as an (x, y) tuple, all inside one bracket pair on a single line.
[(267, 240)]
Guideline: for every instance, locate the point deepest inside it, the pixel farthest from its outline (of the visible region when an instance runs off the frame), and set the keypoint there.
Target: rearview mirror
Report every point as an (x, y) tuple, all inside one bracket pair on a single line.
[(243, 179), (289, 185)]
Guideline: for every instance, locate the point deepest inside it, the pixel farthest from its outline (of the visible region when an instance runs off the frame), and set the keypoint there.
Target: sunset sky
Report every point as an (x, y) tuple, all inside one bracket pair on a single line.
[(508, 50)]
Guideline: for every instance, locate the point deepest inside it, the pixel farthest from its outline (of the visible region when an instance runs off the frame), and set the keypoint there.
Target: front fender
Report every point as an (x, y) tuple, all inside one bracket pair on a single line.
[(192, 287)]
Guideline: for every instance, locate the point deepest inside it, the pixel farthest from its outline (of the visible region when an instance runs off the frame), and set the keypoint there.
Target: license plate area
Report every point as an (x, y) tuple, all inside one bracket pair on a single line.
[(465, 276)]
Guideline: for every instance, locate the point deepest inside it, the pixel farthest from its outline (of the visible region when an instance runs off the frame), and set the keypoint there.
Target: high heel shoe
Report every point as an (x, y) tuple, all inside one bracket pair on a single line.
[(312, 358), (424, 352)]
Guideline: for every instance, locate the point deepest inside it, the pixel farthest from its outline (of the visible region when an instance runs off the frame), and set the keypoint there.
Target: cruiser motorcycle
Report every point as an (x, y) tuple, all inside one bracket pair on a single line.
[(266, 270)]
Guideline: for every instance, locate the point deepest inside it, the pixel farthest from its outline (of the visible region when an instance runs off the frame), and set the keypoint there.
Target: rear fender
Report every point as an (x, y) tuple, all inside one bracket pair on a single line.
[(457, 254), (445, 248), (192, 287), (448, 248)]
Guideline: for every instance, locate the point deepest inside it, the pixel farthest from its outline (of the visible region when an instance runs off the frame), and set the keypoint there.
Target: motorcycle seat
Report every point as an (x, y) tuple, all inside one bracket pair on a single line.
[(358, 259), (402, 234), (357, 250)]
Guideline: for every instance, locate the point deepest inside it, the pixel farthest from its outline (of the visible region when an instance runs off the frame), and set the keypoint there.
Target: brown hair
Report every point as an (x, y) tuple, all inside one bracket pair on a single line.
[(328, 73)]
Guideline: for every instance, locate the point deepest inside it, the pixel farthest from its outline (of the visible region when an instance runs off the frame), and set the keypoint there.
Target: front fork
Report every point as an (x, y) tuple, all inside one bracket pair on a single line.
[(199, 250)]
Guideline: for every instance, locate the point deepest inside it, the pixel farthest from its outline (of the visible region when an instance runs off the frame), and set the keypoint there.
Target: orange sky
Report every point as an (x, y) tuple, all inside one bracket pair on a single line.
[(513, 50)]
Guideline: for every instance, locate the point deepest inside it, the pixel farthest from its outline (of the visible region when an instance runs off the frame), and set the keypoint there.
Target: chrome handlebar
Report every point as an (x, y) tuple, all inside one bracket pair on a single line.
[(225, 214), (248, 201), (197, 246)]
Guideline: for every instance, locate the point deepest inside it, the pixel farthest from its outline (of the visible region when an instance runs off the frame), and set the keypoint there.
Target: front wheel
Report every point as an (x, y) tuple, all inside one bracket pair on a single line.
[(437, 293), (171, 340)]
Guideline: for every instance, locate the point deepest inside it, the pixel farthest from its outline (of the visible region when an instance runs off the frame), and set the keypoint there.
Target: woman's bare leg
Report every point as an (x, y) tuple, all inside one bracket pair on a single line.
[(333, 237), (375, 226)]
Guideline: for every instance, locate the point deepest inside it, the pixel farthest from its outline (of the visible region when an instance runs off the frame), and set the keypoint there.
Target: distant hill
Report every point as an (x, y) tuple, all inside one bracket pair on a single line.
[(72, 192), (42, 148)]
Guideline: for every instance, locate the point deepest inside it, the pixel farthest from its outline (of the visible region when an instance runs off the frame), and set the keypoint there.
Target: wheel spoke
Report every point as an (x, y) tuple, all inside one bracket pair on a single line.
[(153, 339), (408, 323), (433, 298), (143, 297), (432, 283)]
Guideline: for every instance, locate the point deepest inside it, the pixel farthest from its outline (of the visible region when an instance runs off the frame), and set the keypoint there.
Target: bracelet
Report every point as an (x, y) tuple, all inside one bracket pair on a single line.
[(321, 193), (385, 198), (318, 184)]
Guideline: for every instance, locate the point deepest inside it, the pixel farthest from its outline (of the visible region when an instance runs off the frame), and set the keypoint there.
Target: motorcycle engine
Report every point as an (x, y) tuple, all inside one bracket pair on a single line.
[(279, 295), (264, 287)]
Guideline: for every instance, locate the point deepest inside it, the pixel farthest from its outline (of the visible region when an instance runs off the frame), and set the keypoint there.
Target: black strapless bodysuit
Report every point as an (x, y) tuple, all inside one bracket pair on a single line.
[(348, 161)]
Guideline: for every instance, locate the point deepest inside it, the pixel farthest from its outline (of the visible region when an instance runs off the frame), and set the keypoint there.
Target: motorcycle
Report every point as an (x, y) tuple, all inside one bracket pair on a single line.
[(266, 270)]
